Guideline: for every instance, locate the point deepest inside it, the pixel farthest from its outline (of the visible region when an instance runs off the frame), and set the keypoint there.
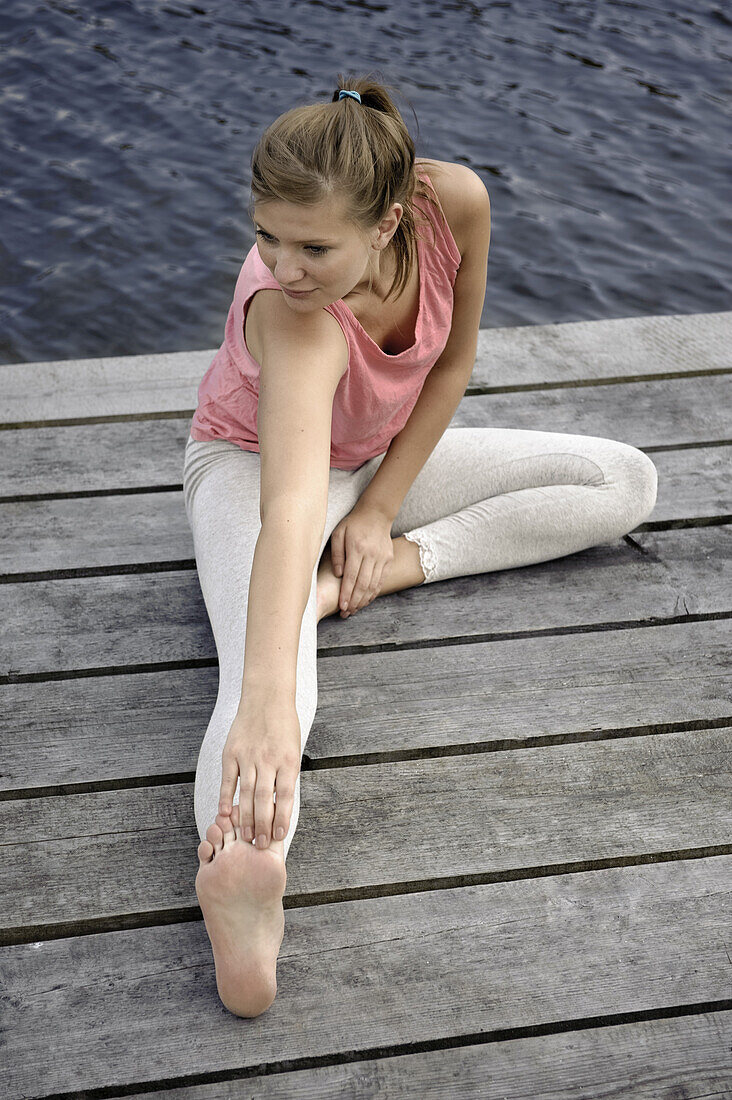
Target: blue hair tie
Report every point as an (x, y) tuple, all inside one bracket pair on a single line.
[(343, 93)]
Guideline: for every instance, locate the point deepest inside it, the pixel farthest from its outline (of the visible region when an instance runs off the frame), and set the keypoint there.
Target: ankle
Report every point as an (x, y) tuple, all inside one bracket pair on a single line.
[(406, 571)]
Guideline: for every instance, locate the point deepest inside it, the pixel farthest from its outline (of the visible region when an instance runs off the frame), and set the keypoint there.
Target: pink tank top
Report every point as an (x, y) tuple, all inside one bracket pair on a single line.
[(377, 392)]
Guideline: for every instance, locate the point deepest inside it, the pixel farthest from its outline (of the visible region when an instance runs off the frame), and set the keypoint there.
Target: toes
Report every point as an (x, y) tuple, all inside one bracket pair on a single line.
[(205, 851), (215, 837), (225, 824)]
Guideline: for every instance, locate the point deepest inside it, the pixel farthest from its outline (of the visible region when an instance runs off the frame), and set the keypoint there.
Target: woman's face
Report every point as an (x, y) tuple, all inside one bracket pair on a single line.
[(314, 249)]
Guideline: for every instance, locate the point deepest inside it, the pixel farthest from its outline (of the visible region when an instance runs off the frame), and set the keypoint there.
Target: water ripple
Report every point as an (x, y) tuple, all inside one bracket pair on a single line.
[(601, 130)]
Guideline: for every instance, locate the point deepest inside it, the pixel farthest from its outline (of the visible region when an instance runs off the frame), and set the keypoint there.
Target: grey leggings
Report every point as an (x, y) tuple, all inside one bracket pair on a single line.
[(486, 499)]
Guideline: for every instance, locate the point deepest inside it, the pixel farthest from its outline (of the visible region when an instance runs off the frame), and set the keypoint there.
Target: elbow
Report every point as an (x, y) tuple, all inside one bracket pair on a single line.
[(295, 518)]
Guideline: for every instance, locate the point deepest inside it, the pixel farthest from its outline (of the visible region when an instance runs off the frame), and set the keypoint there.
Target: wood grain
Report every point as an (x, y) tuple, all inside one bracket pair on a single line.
[(128, 1007), (647, 1060), (145, 528), (133, 622), (572, 352), (411, 824), (105, 730), (149, 453)]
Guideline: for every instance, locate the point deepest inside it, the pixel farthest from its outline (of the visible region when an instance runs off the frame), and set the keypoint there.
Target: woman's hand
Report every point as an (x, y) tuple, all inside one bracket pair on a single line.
[(361, 552), (262, 750)]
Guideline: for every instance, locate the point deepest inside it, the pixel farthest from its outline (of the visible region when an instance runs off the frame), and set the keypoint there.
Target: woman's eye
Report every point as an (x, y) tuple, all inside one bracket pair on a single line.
[(317, 250)]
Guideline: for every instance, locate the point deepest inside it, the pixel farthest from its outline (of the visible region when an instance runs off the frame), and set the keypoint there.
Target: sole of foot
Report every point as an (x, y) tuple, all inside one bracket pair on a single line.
[(239, 888)]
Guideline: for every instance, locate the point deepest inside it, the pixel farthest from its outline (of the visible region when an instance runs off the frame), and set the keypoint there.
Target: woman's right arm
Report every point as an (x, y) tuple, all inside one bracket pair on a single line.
[(303, 357)]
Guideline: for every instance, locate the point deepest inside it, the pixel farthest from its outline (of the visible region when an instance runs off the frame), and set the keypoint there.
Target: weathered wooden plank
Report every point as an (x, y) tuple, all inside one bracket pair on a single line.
[(94, 457), (110, 728), (137, 1006), (693, 483), (710, 559), (149, 453), (649, 1060), (88, 532), (618, 348), (645, 414), (525, 355), (94, 856), (114, 385), (128, 621), (590, 587), (513, 691)]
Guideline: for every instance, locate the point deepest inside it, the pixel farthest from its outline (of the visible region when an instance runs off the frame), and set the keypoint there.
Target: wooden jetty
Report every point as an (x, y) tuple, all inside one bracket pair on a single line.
[(513, 868)]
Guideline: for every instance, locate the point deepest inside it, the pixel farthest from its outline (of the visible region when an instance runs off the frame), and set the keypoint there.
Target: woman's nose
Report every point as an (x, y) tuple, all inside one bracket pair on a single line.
[(288, 271)]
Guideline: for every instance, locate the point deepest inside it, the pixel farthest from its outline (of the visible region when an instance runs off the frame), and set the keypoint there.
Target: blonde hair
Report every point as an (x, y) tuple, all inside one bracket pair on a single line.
[(361, 153)]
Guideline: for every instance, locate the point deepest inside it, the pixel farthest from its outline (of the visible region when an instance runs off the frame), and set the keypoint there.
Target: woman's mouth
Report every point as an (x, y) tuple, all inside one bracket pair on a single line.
[(296, 293)]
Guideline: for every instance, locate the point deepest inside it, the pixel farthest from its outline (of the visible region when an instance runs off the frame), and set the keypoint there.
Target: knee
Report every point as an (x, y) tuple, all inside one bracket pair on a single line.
[(638, 478)]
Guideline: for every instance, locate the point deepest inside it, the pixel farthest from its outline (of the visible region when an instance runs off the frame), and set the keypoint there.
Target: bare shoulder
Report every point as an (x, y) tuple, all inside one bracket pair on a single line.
[(463, 197), (270, 317)]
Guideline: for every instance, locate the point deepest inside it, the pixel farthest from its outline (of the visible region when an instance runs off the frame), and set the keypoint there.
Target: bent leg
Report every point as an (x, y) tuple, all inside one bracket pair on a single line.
[(499, 498)]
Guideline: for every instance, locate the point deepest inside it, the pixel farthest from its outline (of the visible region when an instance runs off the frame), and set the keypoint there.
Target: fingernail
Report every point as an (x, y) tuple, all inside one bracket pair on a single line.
[(280, 833), (262, 840), (249, 833)]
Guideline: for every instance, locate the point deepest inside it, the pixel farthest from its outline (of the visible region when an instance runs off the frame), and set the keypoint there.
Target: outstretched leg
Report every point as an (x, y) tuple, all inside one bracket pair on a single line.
[(239, 886)]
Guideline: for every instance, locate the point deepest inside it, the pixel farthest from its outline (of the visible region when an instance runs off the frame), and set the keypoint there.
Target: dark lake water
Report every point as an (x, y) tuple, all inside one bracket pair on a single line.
[(601, 130)]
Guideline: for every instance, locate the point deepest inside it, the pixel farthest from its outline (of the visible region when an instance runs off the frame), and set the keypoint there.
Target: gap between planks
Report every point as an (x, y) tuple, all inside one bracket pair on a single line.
[(36, 933), (372, 647), (380, 1060), (470, 391), (396, 756), (175, 565)]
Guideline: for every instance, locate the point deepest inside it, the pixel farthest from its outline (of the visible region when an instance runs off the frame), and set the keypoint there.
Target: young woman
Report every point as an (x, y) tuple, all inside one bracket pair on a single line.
[(320, 471)]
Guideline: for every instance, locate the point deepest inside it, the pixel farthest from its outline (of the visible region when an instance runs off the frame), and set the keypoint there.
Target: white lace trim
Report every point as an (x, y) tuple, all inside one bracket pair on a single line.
[(427, 556)]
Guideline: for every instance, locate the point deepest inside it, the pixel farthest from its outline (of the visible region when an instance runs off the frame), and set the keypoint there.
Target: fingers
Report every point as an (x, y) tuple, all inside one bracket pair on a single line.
[(264, 807), (361, 591), (259, 815), (247, 785), (350, 580), (337, 552), (286, 779), (229, 776)]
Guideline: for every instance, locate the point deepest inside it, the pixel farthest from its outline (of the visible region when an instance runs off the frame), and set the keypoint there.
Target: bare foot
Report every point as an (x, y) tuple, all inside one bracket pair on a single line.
[(239, 888), (404, 572), (328, 587)]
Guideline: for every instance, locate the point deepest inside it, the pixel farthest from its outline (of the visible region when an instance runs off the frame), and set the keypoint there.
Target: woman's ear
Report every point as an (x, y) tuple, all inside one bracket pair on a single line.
[(387, 227)]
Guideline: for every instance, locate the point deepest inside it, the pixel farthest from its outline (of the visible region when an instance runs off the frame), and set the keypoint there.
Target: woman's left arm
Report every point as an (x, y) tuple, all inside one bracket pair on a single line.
[(440, 396)]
